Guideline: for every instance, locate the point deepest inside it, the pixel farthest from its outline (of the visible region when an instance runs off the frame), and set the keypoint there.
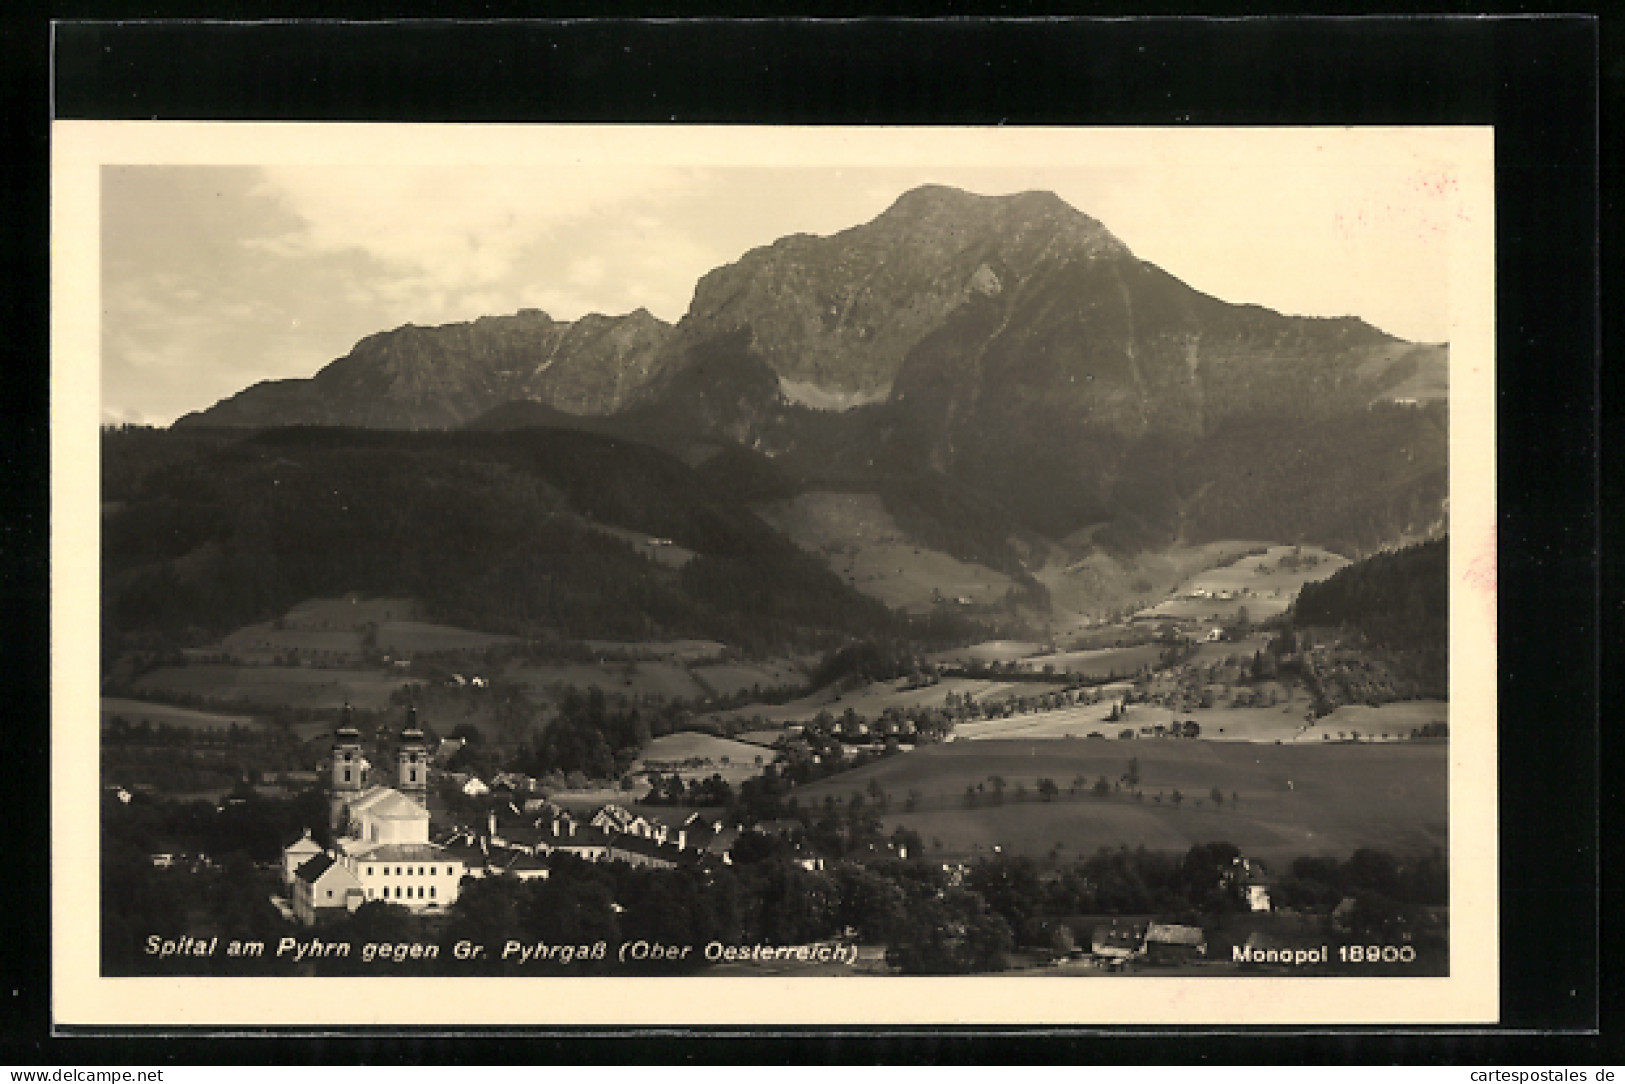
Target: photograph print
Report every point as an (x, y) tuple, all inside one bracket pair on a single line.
[(597, 555)]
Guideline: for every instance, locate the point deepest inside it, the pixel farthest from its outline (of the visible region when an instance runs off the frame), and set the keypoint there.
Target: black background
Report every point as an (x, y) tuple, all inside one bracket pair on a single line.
[(1537, 80)]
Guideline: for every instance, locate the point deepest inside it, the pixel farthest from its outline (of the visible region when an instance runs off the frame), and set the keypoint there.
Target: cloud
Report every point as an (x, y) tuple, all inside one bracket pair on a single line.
[(449, 228)]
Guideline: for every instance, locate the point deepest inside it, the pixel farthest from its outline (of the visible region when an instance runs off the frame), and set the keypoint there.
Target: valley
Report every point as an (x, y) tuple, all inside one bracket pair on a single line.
[(958, 545)]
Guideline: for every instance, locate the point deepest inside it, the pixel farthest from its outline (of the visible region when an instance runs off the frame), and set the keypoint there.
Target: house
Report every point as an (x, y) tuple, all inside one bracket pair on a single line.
[(563, 836), (324, 888), (1252, 882), (1116, 946), (620, 820), (525, 867), (513, 781), (1172, 943), (641, 851), (448, 748), (297, 854), (474, 788)]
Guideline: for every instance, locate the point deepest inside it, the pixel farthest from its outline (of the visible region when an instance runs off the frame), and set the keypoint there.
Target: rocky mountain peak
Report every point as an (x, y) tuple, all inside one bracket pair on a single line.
[(839, 314)]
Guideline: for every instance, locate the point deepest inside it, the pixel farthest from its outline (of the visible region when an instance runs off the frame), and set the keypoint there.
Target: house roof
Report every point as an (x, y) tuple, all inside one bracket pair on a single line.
[(303, 845), (722, 842), (517, 861), (1172, 934), (313, 868), (386, 803), (462, 852), (617, 817), (1114, 937), (585, 836), (631, 844), (403, 852)]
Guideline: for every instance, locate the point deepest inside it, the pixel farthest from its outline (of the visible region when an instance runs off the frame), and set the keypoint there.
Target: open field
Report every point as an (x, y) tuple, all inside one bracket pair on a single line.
[(873, 699), (1084, 589), (660, 551), (686, 745), (1260, 582), (139, 711), (728, 679), (1241, 650), (1046, 725), (763, 738), (349, 611), (989, 651), (1291, 799), (663, 679), (1098, 663), (1398, 718), (861, 542), (687, 651), (337, 628), (1284, 722), (271, 686)]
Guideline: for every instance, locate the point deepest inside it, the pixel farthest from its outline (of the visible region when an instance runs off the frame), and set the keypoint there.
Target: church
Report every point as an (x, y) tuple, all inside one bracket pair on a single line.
[(381, 848)]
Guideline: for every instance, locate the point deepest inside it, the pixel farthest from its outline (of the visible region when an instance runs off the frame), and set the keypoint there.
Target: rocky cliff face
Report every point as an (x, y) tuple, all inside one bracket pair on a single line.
[(428, 377), (836, 316)]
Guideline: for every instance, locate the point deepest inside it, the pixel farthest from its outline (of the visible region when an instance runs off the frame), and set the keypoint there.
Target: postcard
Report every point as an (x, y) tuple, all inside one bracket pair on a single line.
[(632, 576)]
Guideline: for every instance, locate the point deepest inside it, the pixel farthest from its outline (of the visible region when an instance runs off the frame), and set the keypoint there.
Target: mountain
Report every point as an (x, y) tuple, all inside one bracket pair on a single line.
[(986, 358), (433, 377), (836, 316)]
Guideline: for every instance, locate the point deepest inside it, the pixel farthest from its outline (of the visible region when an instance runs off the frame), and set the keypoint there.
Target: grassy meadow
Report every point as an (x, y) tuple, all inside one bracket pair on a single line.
[(1290, 800)]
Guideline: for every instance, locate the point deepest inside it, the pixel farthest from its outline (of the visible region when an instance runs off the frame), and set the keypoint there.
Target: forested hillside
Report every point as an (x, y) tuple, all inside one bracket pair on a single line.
[(489, 530), (1398, 601)]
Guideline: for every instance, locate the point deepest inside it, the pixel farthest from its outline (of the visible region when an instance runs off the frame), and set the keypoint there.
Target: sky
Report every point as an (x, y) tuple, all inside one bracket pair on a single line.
[(217, 275)]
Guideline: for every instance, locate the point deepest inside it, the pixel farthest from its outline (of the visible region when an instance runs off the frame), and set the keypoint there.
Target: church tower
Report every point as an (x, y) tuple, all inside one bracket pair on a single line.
[(349, 771), (414, 760)]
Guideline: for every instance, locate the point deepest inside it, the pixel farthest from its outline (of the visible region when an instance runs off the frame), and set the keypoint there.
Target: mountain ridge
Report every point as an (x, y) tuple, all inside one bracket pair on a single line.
[(416, 377)]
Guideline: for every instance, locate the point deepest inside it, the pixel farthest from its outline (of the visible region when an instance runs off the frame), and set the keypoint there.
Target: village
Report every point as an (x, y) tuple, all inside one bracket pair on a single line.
[(1180, 724)]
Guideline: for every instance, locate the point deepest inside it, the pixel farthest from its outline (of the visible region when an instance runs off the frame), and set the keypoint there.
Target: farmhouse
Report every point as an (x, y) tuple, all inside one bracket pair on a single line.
[(1251, 880), (1170, 943), (1114, 947)]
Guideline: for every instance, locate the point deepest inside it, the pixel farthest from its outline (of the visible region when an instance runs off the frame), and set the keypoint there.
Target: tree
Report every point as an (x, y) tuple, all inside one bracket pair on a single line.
[(1047, 789), (951, 933), (1133, 773), (1218, 796), (1207, 878)]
